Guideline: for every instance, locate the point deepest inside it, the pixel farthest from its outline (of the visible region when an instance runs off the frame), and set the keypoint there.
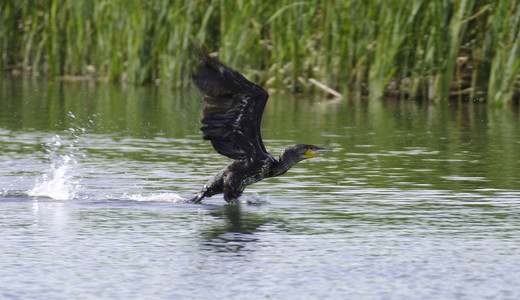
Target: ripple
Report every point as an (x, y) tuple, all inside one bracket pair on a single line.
[(464, 178)]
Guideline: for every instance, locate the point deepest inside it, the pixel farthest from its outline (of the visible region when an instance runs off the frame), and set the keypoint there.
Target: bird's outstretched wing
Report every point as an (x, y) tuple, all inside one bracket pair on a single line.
[(233, 110)]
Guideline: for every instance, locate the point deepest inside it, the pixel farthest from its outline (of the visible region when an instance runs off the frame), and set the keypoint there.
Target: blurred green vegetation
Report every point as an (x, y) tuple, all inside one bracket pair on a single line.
[(465, 49)]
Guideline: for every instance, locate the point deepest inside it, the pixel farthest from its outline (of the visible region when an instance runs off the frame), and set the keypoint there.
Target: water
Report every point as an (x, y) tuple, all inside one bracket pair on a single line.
[(417, 201)]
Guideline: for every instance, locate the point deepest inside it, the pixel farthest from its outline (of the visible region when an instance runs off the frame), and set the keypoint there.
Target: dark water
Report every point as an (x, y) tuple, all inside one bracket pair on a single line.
[(416, 202)]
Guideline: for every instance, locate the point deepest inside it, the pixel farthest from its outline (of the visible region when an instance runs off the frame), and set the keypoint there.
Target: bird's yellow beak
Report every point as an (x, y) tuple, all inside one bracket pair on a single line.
[(316, 151)]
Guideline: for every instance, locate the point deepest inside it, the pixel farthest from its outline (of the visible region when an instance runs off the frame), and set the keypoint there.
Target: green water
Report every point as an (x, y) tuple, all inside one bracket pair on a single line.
[(417, 201)]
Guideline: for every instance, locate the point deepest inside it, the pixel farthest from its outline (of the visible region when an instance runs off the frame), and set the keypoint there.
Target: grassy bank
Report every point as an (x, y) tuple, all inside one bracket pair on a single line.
[(420, 49)]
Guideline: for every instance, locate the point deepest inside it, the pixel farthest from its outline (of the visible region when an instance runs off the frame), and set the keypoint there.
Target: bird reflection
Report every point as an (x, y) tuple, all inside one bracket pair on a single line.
[(234, 230)]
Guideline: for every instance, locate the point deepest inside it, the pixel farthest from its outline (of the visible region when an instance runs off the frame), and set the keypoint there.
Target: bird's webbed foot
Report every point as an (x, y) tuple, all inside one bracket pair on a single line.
[(230, 201), (232, 197)]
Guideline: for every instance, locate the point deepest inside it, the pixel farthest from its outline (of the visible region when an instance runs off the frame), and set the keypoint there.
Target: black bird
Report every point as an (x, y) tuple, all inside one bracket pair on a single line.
[(231, 121)]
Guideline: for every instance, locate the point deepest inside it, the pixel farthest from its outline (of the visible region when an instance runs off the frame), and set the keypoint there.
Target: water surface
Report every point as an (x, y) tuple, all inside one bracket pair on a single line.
[(416, 202)]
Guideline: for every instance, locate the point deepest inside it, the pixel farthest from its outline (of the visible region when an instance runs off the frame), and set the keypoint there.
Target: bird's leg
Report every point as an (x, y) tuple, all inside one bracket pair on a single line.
[(232, 187), (197, 198), (212, 187)]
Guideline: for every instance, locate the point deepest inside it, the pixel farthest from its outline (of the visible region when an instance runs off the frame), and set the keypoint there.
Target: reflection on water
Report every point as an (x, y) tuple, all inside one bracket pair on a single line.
[(416, 201), (231, 228), (235, 230)]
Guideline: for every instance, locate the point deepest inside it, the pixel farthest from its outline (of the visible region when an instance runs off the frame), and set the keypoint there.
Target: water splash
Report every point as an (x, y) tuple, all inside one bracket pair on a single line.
[(254, 199), (168, 197), (58, 182)]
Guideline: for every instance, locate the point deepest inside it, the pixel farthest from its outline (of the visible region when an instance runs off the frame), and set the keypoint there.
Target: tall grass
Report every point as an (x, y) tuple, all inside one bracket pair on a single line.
[(418, 49)]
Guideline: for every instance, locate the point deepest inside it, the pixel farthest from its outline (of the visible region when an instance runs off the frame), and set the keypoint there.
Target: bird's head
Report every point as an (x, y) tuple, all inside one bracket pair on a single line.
[(304, 151), (313, 151), (296, 153)]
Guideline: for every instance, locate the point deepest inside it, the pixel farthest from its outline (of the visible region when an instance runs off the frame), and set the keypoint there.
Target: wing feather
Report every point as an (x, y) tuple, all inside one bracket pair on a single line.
[(233, 111)]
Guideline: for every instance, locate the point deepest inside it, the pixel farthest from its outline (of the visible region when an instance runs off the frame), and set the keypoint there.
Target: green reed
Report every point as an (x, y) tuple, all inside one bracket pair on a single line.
[(416, 49)]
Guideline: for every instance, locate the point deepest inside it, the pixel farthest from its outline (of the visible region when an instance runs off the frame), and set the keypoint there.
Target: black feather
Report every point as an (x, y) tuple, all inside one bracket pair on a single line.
[(233, 111)]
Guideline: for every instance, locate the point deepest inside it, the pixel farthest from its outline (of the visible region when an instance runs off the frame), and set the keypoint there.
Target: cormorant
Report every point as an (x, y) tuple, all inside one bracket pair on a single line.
[(231, 121)]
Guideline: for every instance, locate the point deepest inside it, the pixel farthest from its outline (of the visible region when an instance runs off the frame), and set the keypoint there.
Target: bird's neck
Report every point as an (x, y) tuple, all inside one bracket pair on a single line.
[(286, 161)]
